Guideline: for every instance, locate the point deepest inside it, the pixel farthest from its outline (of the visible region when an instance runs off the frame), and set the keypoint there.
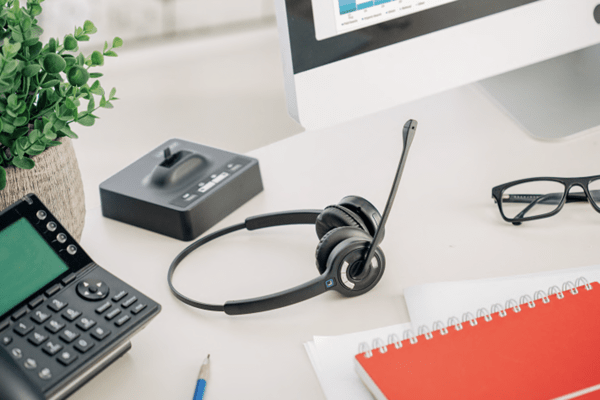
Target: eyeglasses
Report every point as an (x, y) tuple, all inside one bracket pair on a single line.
[(535, 198)]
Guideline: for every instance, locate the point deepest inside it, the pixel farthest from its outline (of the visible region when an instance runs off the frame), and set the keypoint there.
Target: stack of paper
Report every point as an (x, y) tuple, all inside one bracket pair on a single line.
[(332, 356)]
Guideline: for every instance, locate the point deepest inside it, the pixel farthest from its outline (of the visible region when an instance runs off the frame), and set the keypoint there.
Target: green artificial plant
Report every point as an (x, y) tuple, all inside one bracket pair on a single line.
[(44, 87)]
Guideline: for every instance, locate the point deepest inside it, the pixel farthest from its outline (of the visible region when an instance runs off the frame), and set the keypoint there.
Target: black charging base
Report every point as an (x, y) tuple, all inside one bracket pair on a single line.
[(180, 189)]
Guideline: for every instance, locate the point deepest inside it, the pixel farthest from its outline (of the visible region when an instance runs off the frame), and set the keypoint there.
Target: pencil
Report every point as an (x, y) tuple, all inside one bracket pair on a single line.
[(202, 379)]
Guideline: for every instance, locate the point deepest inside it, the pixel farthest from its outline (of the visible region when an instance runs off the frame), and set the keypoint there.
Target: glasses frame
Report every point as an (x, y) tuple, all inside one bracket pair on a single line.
[(568, 183)]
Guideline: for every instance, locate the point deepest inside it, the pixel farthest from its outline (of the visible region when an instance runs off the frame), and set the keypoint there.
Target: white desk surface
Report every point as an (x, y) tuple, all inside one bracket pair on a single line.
[(444, 226)]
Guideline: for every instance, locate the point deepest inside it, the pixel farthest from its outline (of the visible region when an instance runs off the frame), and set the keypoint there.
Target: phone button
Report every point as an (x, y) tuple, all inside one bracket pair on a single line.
[(45, 374)]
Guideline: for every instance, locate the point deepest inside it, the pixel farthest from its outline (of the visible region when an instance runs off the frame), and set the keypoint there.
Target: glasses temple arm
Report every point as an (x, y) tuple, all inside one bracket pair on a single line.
[(553, 199)]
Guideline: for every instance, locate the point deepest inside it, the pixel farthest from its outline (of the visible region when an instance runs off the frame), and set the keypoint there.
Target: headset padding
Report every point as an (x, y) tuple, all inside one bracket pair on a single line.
[(332, 239)]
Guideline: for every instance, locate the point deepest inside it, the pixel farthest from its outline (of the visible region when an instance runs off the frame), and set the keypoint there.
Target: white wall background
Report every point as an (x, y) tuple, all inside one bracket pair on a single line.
[(142, 20)]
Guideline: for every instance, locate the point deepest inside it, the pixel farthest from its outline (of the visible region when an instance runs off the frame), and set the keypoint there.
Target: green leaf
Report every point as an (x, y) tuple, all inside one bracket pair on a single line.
[(34, 135), (22, 107), (31, 70), (58, 125), (91, 105), (83, 38), (26, 25), (67, 131), (47, 128), (50, 135), (70, 43), (70, 104), (65, 114), (54, 63), (87, 120), (96, 88), (10, 67), (35, 9), (36, 31), (110, 54), (117, 42), (50, 83), (13, 101), (96, 75), (51, 144), (70, 60), (52, 45), (2, 178), (24, 162), (17, 36), (20, 121), (36, 149), (35, 50), (108, 105), (88, 27), (5, 140), (8, 128), (97, 58), (10, 50), (78, 75), (81, 60), (111, 96)]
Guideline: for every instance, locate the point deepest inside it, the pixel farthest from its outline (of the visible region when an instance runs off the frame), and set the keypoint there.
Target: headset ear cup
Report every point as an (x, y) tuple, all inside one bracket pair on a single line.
[(336, 216), (366, 211), (332, 239), (346, 264)]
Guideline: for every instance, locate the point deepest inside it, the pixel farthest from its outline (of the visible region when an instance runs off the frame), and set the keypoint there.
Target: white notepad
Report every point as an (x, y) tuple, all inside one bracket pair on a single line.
[(437, 301)]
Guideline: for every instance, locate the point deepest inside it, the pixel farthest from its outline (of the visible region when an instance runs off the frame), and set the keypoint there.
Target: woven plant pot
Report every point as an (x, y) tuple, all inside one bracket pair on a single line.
[(56, 180)]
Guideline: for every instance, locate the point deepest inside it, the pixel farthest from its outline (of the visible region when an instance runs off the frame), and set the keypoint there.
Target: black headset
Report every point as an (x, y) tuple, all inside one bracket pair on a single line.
[(348, 256)]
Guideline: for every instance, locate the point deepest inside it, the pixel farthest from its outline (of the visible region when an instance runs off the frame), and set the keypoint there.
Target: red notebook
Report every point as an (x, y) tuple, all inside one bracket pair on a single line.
[(548, 348)]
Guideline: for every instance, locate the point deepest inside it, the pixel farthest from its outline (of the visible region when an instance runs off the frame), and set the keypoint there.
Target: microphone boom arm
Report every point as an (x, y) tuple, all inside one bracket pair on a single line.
[(408, 134)]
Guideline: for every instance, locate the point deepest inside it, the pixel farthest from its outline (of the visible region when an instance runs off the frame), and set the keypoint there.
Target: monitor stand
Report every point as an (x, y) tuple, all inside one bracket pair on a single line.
[(552, 99)]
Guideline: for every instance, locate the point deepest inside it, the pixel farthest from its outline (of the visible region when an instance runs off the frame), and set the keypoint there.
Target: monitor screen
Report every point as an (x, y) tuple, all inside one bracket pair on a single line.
[(344, 59), (382, 22), (27, 264)]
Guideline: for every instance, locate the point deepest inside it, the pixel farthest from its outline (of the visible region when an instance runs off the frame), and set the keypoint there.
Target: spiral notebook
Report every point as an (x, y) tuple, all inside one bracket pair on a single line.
[(545, 347)]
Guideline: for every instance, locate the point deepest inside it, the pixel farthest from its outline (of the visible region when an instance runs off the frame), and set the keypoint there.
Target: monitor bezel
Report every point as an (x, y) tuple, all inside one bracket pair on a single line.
[(371, 38)]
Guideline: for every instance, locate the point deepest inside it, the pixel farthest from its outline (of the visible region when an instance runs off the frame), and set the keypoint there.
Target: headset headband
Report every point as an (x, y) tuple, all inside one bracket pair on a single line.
[(264, 303)]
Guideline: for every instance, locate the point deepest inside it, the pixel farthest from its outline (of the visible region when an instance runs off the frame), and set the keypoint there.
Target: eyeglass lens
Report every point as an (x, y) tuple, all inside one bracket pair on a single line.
[(531, 199), (594, 188)]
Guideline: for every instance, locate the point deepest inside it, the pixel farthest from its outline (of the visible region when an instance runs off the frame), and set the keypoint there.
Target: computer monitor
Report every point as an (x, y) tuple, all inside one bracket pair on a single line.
[(345, 59)]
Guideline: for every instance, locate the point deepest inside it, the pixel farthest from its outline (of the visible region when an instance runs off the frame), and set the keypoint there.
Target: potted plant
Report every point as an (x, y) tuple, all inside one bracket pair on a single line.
[(44, 89)]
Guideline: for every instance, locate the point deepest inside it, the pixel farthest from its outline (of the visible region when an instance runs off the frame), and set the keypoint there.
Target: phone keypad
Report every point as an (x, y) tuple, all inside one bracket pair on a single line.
[(63, 332)]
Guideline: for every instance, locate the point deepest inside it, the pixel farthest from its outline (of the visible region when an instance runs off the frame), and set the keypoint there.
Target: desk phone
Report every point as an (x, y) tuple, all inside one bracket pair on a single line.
[(63, 318)]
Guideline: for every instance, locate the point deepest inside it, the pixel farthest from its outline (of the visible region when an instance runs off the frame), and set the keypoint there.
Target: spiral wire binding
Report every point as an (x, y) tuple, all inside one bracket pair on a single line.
[(423, 330), (540, 294), (497, 308), (439, 326), (526, 299), (556, 290), (410, 336), (454, 321), (483, 312), (513, 304), (468, 317)]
